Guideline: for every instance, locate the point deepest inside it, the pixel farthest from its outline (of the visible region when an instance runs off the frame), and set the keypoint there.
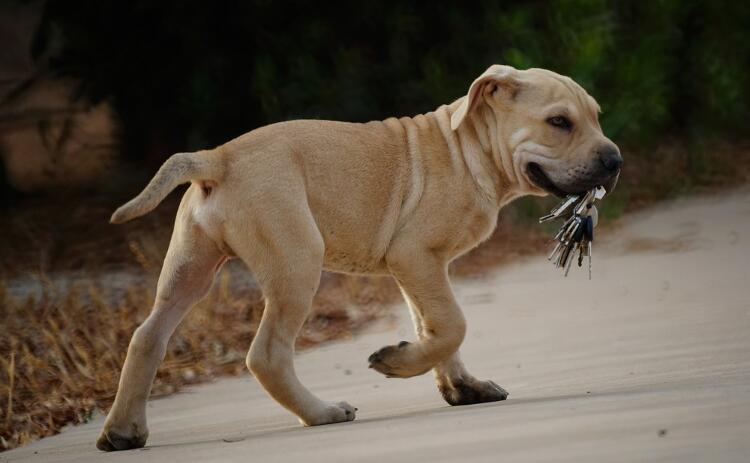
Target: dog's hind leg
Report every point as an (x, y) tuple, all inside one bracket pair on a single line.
[(285, 252), (191, 262)]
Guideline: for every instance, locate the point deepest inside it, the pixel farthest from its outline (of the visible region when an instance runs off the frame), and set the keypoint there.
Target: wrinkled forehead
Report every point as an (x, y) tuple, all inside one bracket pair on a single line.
[(556, 90)]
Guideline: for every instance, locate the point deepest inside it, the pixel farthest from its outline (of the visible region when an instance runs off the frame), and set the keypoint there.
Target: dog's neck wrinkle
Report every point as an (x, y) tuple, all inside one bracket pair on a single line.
[(414, 128), (493, 149), (472, 148), (476, 145), (411, 195), (504, 158), (500, 153), (477, 156)]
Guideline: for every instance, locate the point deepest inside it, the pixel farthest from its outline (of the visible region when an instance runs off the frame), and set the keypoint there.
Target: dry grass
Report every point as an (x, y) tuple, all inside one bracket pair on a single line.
[(62, 352), (61, 348)]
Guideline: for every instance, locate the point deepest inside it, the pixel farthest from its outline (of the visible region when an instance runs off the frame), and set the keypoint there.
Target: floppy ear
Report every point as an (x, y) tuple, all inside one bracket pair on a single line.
[(497, 75)]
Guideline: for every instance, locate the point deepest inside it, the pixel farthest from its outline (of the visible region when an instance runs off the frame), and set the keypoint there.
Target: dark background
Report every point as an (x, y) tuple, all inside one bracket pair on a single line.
[(187, 75)]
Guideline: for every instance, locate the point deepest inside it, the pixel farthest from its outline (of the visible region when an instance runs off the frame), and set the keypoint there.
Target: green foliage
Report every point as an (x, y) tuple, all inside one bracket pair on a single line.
[(192, 74)]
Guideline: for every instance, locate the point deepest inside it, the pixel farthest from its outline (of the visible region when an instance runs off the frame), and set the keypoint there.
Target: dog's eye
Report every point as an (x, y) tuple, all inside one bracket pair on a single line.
[(560, 122)]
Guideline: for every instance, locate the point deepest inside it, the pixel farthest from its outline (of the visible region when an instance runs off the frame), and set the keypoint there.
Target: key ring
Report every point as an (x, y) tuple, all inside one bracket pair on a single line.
[(577, 232)]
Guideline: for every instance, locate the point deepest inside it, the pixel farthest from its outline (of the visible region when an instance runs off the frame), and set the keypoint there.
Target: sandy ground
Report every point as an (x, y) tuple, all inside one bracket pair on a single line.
[(650, 361)]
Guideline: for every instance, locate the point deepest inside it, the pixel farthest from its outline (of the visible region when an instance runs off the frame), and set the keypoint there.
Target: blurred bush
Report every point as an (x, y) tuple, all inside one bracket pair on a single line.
[(185, 75)]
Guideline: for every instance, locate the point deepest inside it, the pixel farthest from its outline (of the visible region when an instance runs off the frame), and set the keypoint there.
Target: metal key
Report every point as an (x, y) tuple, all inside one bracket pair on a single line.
[(569, 240), (560, 208), (570, 257), (583, 253)]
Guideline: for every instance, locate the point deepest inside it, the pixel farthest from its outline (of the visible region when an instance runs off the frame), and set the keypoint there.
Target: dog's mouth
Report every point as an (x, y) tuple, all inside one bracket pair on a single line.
[(539, 178)]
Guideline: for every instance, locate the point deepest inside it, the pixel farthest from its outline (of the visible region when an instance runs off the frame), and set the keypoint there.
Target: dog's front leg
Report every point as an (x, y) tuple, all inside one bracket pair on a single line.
[(455, 383), (459, 387), (440, 328), (423, 280)]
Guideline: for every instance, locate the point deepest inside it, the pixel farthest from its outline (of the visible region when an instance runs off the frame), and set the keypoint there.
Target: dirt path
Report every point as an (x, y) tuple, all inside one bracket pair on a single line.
[(650, 361)]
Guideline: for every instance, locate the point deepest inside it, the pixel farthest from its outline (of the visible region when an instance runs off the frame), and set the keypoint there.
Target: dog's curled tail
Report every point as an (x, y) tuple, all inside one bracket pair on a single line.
[(179, 168)]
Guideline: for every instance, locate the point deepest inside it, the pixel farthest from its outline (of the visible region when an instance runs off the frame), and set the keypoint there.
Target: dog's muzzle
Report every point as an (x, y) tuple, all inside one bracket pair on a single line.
[(601, 177)]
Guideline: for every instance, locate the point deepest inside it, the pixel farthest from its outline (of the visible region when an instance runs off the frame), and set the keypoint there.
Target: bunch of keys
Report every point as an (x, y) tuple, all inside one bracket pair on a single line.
[(577, 233)]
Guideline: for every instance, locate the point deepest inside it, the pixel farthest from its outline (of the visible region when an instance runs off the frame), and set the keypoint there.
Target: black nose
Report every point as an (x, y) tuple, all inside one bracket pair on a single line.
[(610, 157)]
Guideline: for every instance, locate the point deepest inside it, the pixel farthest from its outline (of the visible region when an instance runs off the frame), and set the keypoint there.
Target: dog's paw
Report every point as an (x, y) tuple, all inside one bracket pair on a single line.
[(397, 361), (110, 441), (332, 413), (461, 392)]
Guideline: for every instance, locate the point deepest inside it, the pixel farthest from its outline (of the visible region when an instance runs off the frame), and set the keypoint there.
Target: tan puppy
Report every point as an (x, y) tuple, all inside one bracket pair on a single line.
[(401, 197)]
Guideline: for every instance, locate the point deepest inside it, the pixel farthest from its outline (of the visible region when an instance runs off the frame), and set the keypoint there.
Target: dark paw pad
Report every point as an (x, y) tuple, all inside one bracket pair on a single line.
[(382, 354), (109, 442), (385, 359), (462, 393)]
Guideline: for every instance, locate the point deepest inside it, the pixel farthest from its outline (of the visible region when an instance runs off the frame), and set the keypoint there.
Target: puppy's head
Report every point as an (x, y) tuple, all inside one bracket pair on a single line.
[(547, 130)]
